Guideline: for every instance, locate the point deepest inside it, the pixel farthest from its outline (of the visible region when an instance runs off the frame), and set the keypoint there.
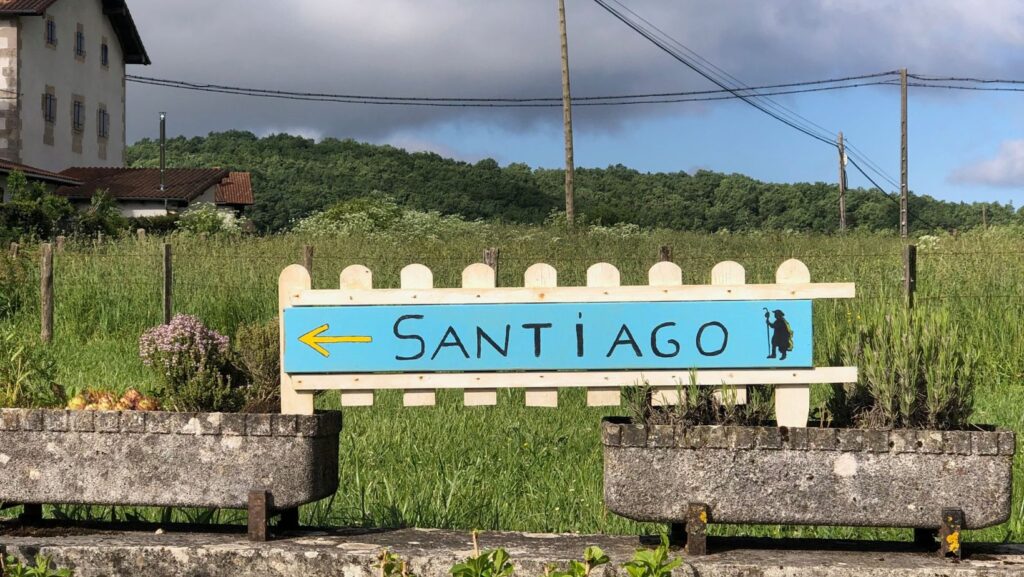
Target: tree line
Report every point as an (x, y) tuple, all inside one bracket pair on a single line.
[(294, 177)]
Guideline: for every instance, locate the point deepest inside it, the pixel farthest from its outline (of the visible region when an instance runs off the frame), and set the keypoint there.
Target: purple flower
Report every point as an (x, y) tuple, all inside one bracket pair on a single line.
[(183, 348)]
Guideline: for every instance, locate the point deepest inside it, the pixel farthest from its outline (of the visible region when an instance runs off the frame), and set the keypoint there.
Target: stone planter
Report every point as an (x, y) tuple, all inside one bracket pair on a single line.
[(813, 476), (166, 459)]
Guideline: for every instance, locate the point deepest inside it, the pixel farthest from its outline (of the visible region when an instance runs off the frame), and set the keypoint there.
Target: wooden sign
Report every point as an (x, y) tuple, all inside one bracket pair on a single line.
[(542, 337), (548, 337)]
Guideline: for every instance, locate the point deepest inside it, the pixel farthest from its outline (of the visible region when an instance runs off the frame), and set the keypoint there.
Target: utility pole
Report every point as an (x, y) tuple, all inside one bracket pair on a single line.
[(570, 170), (842, 184), (904, 188), (163, 152)]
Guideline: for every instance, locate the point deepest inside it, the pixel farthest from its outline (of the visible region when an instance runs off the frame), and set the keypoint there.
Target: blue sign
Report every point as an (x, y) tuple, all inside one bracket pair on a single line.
[(548, 337)]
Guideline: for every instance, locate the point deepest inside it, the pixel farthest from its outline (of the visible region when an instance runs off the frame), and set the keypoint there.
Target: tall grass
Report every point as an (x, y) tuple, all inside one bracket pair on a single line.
[(510, 467)]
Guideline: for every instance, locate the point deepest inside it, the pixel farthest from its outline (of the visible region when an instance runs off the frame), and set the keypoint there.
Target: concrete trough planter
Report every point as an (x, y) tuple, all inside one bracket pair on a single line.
[(166, 459), (807, 476)]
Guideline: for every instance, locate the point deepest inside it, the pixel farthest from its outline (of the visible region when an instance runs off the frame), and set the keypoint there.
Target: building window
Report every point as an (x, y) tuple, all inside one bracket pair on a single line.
[(51, 32), (104, 55), (49, 108), (80, 44), (103, 123), (78, 116)]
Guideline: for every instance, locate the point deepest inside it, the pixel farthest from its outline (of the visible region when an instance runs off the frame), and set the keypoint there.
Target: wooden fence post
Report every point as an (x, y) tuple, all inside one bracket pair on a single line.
[(665, 254), (46, 293), (168, 278), (60, 243), (910, 273), (491, 259), (307, 258), (141, 234), (14, 250)]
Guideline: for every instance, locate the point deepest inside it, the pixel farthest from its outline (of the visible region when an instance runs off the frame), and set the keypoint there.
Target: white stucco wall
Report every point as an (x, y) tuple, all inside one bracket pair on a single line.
[(42, 66)]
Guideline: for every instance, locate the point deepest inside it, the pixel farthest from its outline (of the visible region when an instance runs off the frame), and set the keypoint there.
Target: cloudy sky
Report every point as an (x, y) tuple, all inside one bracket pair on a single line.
[(963, 145)]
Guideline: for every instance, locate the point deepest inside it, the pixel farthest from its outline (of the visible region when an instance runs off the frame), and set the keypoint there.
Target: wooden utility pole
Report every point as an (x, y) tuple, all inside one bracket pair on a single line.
[(570, 170), (842, 184), (984, 216), (904, 188)]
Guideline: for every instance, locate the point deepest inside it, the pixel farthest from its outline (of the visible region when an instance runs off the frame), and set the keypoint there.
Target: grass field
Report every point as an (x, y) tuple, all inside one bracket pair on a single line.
[(509, 467)]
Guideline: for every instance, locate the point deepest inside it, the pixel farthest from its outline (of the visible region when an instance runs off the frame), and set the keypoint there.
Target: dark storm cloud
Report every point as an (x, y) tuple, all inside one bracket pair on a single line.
[(489, 48)]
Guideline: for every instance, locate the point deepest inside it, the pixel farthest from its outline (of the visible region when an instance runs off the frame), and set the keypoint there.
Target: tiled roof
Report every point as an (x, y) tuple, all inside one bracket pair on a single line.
[(183, 184), (36, 173), (235, 189), (24, 6), (116, 10)]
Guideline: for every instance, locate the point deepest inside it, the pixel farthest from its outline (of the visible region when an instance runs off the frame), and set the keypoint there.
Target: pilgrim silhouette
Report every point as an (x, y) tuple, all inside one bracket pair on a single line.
[(782, 334)]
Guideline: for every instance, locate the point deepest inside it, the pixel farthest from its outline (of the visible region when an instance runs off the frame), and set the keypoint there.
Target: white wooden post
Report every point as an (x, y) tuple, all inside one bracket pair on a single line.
[(293, 280), (417, 276), (603, 275), (356, 277), (479, 276), (666, 274), (541, 275), (729, 273), (792, 402)]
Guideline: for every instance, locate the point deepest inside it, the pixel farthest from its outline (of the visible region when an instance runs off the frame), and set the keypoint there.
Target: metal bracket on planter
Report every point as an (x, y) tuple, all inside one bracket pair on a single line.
[(697, 517), (949, 533), (692, 535), (261, 510)]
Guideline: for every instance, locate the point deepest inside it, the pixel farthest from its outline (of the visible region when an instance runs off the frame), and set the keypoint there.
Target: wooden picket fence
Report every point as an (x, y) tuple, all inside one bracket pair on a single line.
[(728, 283)]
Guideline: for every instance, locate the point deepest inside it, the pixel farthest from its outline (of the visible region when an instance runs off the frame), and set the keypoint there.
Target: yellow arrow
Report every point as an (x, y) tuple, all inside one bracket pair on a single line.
[(314, 340)]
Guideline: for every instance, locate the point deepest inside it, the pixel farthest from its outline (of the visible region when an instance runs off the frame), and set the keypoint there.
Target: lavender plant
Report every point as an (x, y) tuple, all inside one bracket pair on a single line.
[(193, 363)]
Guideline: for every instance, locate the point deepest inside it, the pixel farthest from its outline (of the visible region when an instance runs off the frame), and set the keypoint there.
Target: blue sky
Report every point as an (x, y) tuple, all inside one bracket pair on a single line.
[(963, 145)]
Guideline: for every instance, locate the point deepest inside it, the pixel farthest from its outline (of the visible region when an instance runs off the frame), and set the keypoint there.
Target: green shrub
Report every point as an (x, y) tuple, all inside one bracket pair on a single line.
[(194, 365), (14, 285), (102, 216), (378, 216), (494, 563), (154, 224), (652, 563), (915, 372), (27, 374), (205, 218), (701, 405), (257, 354), (11, 567)]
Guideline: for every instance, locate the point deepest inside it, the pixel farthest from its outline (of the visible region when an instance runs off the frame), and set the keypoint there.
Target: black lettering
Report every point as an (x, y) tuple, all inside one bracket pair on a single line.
[(629, 340), (579, 339), (537, 327), (725, 339), (444, 343), (423, 344), (482, 336), (654, 342)]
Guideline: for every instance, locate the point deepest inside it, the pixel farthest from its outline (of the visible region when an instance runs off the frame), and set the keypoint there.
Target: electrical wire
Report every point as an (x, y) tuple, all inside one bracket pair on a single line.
[(652, 98), (788, 121)]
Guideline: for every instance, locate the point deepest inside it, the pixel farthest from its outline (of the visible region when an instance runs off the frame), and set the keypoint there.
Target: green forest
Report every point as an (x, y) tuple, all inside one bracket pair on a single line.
[(294, 177)]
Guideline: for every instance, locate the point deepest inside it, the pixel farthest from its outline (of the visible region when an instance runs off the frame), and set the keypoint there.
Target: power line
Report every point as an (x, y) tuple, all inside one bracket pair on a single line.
[(699, 70), (580, 101), (722, 84), (933, 78), (792, 115)]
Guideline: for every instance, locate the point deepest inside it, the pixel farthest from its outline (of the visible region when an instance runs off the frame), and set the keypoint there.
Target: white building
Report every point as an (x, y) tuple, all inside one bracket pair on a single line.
[(62, 81)]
